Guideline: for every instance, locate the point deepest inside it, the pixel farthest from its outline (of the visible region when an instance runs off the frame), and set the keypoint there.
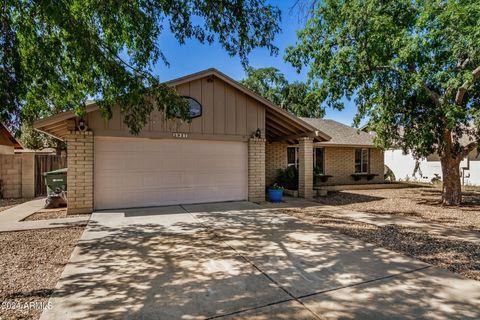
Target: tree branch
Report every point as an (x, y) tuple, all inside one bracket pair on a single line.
[(463, 89), (469, 148), (433, 95)]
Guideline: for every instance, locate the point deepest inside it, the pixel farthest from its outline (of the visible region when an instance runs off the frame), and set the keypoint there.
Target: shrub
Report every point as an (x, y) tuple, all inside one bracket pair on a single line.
[(288, 178), (276, 187)]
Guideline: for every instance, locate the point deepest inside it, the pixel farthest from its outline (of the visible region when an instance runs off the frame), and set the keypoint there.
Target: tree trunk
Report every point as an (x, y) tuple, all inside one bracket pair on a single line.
[(452, 187)]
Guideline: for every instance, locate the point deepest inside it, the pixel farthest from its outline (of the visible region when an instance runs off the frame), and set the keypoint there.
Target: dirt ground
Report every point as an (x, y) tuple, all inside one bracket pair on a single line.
[(31, 264), (9, 203), (421, 202), (462, 257), (47, 214)]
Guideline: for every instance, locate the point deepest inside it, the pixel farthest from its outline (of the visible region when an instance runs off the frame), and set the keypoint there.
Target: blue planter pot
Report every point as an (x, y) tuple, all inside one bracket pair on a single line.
[(275, 195)]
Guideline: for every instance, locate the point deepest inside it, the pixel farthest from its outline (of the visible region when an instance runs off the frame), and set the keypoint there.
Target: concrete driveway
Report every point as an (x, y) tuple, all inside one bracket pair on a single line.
[(238, 260)]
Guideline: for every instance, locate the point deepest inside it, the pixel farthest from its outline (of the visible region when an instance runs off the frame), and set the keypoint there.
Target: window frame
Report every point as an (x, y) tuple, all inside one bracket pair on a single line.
[(362, 162), (315, 158), (195, 100), (296, 151)]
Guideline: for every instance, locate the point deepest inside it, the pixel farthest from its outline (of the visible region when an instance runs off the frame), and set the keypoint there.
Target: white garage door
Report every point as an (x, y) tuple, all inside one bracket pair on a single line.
[(135, 172)]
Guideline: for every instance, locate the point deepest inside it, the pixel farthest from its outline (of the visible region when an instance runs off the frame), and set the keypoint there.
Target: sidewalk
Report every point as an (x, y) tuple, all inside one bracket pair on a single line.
[(11, 219)]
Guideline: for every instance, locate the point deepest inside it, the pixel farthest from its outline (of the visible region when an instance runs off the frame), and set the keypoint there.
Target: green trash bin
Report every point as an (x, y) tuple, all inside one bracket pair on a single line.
[(56, 179)]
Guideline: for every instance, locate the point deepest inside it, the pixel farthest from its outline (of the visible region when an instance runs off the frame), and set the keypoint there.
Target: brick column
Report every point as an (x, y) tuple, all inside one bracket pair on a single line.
[(305, 170), (80, 172), (256, 170), (28, 175)]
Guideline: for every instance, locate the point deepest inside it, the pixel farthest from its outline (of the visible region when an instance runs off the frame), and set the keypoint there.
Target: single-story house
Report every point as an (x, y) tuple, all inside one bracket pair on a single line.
[(230, 150), (429, 168), (347, 157), (8, 143)]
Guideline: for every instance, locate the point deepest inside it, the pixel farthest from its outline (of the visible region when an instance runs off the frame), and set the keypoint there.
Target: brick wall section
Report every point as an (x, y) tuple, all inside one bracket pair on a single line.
[(305, 168), (11, 175), (256, 170), (275, 158), (340, 164), (80, 172), (17, 175)]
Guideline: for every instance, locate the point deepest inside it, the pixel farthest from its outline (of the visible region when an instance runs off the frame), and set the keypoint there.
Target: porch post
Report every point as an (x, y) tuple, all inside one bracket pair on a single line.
[(305, 172), (80, 172), (256, 169)]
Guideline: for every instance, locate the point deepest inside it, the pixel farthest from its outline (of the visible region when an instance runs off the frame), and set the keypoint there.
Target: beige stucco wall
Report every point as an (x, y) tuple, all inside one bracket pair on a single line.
[(275, 158), (227, 114), (17, 175)]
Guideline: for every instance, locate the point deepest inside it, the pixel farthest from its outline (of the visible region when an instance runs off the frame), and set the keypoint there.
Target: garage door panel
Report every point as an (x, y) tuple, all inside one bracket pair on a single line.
[(139, 172)]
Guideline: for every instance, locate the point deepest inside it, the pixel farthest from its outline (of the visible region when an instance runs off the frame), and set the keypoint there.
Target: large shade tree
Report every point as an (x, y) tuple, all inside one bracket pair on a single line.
[(412, 68), (296, 97), (56, 54)]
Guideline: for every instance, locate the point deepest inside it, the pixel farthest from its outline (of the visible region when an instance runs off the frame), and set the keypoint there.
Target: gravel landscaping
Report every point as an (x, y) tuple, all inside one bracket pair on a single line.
[(462, 257), (422, 202), (47, 214), (10, 203), (32, 262)]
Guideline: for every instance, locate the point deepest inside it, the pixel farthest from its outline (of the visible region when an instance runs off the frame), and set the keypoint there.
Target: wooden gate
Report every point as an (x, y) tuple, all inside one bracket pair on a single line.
[(45, 163)]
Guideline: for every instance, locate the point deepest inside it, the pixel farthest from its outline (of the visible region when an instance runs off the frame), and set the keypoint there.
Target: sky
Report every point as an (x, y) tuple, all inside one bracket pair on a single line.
[(194, 56)]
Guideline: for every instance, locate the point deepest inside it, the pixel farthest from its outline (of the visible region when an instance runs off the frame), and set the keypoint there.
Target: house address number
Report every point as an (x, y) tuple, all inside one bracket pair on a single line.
[(180, 135)]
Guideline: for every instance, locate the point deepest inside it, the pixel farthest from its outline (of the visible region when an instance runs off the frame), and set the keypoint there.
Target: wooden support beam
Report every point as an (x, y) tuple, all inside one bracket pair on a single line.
[(296, 136)]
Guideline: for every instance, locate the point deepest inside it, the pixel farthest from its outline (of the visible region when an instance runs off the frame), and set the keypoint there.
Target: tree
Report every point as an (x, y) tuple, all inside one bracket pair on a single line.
[(295, 97), (55, 53), (35, 140), (412, 67)]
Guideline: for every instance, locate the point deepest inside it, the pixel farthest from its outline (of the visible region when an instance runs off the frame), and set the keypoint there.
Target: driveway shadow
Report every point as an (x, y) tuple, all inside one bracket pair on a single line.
[(227, 263)]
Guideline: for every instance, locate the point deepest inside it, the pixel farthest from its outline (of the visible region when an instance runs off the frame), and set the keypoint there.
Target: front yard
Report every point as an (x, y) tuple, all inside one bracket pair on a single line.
[(36, 245), (458, 255), (32, 262), (422, 202)]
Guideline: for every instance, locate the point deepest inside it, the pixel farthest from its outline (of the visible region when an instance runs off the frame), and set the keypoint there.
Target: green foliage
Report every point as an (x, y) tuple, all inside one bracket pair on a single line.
[(56, 54), (276, 187), (317, 171), (408, 64), (288, 178), (295, 97), (32, 139)]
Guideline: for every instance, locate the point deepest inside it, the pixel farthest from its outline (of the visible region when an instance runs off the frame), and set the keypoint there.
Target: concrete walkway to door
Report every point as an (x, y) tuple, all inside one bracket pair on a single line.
[(238, 260)]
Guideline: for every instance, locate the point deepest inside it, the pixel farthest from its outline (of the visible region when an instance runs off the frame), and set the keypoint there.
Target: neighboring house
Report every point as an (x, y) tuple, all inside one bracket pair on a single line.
[(235, 140), (348, 157), (8, 144), (403, 166)]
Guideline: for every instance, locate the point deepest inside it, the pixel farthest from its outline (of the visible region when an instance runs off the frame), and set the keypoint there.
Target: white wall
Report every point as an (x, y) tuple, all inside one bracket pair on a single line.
[(403, 166)]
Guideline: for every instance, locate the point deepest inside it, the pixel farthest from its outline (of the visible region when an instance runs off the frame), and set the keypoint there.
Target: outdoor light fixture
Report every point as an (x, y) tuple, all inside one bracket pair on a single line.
[(258, 133), (81, 125)]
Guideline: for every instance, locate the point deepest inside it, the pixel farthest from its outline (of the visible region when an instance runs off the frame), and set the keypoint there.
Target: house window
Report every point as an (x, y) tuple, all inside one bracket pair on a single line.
[(292, 157), (362, 160), (194, 108), (319, 160)]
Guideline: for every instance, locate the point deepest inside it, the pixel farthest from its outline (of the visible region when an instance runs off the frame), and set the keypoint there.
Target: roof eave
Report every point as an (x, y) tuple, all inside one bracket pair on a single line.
[(40, 125)]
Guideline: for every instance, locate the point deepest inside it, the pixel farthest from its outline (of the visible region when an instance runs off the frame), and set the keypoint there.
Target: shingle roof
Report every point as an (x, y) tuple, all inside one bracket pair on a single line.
[(341, 134)]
